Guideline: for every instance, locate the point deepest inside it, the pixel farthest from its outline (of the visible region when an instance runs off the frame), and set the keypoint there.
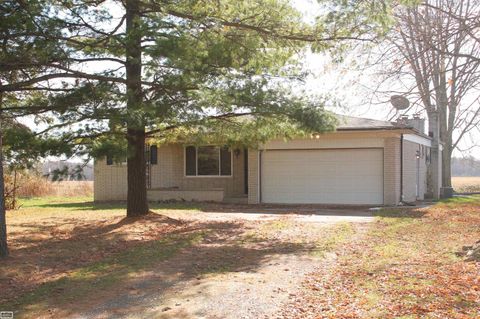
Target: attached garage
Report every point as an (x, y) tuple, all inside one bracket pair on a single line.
[(322, 176), (363, 162)]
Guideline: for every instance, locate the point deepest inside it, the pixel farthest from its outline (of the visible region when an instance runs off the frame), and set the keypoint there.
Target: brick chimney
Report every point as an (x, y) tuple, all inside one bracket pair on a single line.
[(416, 122)]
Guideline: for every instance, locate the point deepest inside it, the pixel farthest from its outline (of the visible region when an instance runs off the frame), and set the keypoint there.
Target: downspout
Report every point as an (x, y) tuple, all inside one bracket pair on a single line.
[(401, 168), (260, 177)]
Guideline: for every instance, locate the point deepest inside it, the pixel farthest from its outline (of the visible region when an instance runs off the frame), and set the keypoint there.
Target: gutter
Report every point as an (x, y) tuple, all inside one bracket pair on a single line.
[(400, 130)]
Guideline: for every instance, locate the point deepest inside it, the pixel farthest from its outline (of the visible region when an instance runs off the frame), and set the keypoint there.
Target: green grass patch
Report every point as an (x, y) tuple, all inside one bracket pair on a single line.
[(39, 202), (87, 203), (219, 268), (276, 225), (333, 238), (460, 200)]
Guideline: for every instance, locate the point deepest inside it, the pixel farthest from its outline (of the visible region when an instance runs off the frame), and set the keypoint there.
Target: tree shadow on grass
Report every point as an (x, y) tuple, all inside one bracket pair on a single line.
[(42, 250), (98, 233), (91, 205), (214, 207), (402, 213), (197, 249)]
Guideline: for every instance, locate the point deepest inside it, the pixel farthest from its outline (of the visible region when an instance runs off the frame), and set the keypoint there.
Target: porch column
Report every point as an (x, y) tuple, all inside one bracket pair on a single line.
[(253, 177)]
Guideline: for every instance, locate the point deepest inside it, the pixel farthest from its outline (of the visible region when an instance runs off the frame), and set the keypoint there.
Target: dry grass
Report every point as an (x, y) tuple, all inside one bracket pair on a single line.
[(37, 186), (62, 247), (71, 188), (405, 267), (466, 184), (69, 255)]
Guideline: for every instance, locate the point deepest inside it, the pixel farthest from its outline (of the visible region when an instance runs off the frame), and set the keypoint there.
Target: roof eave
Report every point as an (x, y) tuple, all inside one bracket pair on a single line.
[(400, 130)]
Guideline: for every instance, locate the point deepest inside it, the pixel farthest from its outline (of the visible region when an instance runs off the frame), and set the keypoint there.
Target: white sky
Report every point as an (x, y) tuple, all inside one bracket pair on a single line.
[(349, 85), (341, 83)]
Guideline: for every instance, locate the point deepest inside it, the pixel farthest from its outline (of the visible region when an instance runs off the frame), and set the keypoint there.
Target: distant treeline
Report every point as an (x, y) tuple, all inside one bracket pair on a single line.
[(468, 166)]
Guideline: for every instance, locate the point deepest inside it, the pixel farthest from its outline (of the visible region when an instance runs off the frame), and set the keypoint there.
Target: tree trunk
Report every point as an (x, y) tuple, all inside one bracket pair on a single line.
[(433, 178), (136, 176), (445, 133), (3, 221), (137, 191), (447, 165)]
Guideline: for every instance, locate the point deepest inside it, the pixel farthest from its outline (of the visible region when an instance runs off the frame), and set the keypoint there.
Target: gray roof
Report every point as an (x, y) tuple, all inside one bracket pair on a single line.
[(347, 123)]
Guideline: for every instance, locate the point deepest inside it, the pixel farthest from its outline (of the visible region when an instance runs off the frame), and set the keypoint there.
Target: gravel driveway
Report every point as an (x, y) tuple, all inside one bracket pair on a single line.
[(301, 214), (248, 268)]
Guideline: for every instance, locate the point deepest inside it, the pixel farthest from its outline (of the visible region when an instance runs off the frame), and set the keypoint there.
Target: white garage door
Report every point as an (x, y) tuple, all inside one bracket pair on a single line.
[(350, 176)]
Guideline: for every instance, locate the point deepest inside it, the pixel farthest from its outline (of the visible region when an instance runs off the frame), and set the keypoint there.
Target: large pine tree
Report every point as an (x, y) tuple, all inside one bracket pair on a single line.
[(26, 52), (132, 69)]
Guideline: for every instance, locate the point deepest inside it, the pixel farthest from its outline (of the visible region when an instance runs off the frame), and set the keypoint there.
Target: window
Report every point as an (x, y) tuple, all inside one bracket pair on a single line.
[(225, 161), (190, 161), (109, 160), (208, 161), (153, 155)]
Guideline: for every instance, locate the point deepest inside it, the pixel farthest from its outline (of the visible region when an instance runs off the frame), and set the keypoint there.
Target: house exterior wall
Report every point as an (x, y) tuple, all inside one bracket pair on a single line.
[(329, 140), (391, 171), (412, 164), (169, 173), (392, 162), (253, 176), (389, 142), (110, 181)]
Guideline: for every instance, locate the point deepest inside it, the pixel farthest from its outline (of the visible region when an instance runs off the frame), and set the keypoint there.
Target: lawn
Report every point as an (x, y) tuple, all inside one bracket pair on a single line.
[(60, 247), (406, 266), (73, 258), (70, 256)]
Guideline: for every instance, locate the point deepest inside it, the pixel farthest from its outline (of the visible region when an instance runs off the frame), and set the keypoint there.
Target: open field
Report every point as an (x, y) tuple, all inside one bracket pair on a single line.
[(465, 184), (71, 258), (71, 188)]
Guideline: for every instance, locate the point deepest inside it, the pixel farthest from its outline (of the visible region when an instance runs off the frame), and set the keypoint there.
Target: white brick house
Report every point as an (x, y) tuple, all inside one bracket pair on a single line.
[(364, 162)]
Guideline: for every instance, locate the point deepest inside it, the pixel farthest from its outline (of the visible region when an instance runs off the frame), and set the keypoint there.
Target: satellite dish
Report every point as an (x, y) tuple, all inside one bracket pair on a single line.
[(399, 102)]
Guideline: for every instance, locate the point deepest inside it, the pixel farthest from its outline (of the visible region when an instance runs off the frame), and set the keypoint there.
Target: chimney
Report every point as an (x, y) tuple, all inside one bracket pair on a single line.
[(402, 120), (415, 122)]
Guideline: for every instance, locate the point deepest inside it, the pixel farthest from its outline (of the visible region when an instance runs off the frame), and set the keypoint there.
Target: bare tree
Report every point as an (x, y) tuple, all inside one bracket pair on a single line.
[(468, 23), (431, 56)]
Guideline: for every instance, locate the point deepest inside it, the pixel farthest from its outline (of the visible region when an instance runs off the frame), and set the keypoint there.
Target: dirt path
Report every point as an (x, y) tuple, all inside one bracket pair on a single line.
[(244, 269)]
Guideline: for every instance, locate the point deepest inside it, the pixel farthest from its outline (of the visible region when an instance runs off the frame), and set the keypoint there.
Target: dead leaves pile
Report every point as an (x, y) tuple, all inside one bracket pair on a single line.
[(420, 277)]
